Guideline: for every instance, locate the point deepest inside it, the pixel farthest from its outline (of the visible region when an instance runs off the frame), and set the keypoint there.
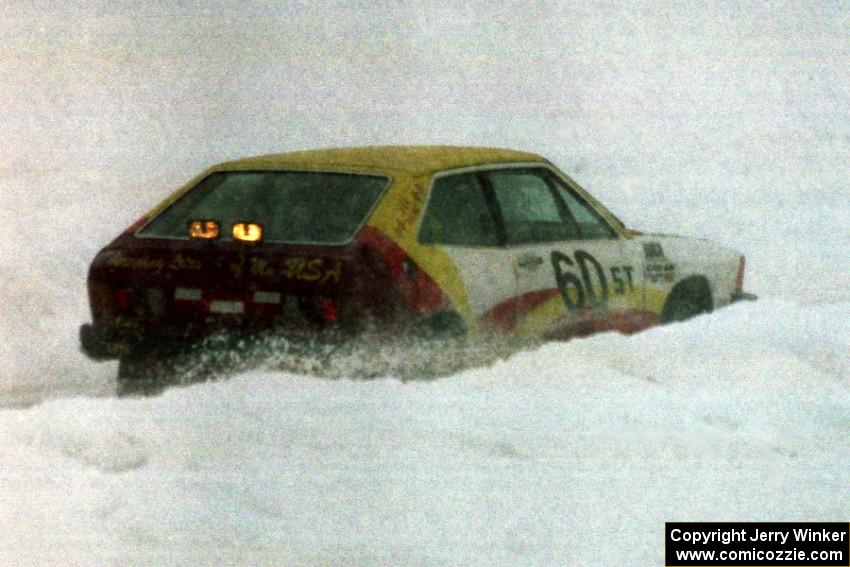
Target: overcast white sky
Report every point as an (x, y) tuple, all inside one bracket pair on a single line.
[(264, 78)]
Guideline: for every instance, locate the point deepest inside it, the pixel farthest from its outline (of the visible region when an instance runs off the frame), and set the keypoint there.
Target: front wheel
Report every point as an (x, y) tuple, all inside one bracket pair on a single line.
[(687, 300)]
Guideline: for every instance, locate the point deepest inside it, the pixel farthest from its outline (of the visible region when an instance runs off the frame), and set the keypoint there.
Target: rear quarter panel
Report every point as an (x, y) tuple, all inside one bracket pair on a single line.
[(397, 218)]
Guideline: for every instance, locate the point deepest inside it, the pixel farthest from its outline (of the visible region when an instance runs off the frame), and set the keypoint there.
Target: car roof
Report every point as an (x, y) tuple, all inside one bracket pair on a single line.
[(411, 159)]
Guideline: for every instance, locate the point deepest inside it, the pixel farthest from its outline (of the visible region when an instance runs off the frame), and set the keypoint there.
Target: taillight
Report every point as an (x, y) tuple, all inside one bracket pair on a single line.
[(739, 282)]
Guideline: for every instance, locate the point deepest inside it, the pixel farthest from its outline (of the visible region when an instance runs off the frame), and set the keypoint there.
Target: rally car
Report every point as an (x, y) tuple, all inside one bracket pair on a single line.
[(430, 240)]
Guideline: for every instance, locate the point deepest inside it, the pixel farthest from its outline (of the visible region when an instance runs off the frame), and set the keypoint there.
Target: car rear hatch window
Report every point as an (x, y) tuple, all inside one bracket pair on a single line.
[(291, 206)]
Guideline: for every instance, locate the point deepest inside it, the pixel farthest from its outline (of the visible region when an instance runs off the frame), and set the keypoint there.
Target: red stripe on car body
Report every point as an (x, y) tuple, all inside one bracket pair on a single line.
[(505, 316), (421, 293)]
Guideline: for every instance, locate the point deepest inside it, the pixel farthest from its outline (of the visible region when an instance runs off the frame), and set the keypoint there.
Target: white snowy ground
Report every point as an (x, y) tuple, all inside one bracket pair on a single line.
[(726, 121), (573, 454)]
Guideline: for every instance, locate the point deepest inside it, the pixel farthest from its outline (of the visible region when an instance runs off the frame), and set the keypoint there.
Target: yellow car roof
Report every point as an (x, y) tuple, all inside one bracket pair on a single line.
[(411, 159)]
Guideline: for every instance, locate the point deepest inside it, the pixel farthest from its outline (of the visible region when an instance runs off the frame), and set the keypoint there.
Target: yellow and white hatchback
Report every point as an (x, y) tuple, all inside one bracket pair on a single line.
[(436, 238)]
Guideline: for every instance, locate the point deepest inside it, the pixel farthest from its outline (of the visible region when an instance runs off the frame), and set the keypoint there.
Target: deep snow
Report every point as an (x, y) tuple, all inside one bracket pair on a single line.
[(726, 121), (571, 454)]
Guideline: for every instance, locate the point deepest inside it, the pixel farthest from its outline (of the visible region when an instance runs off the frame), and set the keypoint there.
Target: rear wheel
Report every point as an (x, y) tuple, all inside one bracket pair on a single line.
[(153, 368), (142, 374), (688, 299)]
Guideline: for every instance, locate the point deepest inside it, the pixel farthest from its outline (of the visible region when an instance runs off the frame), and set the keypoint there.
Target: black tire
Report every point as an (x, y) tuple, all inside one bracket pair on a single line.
[(688, 299), (150, 373), (150, 370), (141, 375)]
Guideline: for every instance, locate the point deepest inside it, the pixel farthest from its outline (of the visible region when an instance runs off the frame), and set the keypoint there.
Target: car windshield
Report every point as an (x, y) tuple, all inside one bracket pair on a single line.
[(292, 206)]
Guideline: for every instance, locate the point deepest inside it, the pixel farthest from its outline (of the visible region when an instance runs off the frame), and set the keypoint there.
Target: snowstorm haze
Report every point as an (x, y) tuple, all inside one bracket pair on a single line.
[(680, 116), (722, 120)]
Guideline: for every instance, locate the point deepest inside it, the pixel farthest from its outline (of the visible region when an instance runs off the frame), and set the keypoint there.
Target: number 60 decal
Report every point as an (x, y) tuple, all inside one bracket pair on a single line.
[(584, 287)]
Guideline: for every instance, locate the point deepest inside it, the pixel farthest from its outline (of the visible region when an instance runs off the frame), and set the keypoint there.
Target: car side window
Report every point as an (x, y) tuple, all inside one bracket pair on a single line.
[(591, 225), (458, 213), (529, 208)]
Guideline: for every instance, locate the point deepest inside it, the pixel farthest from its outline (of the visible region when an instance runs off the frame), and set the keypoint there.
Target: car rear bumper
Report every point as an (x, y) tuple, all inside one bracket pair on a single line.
[(105, 343), (99, 343)]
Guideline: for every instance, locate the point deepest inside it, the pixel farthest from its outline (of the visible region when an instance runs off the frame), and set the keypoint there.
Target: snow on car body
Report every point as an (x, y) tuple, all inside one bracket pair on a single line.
[(454, 239)]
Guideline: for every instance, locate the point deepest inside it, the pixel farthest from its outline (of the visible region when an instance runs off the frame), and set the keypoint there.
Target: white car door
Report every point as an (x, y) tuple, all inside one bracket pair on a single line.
[(574, 273), (461, 222)]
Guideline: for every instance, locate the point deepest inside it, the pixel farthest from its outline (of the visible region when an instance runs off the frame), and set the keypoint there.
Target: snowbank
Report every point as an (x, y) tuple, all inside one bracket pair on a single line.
[(565, 455), (717, 122)]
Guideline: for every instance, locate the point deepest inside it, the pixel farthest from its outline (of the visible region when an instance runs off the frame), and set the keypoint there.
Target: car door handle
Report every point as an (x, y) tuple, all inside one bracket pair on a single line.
[(529, 262)]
